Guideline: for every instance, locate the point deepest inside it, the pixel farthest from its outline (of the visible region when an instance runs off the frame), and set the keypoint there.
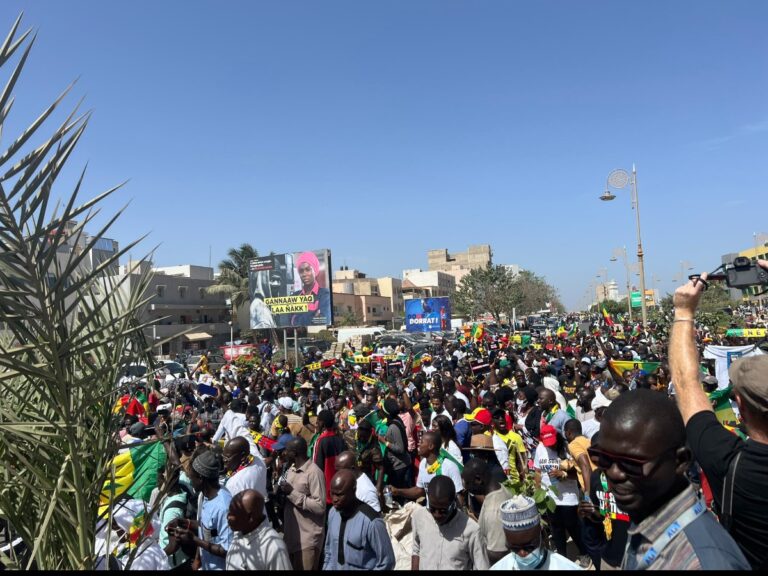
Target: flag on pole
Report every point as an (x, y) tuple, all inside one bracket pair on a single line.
[(572, 331), (607, 317), (561, 331), (416, 366), (477, 332)]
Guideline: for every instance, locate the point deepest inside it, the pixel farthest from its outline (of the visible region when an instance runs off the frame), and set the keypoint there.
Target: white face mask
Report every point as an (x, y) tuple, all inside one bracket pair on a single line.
[(519, 402)]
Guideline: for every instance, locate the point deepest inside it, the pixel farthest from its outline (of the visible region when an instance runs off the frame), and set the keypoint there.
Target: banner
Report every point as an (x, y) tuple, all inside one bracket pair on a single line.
[(621, 365), (427, 314), (746, 332), (724, 356), (291, 289)]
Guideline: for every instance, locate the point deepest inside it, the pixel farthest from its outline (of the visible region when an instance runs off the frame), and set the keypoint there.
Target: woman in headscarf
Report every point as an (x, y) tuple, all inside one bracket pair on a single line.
[(319, 310)]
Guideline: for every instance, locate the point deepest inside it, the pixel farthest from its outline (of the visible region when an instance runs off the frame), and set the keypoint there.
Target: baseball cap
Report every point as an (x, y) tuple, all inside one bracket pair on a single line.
[(480, 415), (548, 435), (587, 359), (750, 380)]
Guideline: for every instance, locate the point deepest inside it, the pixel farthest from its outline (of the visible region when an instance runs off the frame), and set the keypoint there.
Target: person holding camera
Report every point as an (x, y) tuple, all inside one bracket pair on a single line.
[(735, 468)]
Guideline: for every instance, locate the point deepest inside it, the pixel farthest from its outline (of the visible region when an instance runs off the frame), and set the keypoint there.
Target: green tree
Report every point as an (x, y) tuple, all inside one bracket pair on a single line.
[(496, 291), (69, 329), (614, 307), (233, 275), (484, 290)]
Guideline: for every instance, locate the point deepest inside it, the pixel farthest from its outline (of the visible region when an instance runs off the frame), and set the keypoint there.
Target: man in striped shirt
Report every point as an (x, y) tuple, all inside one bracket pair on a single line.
[(642, 450)]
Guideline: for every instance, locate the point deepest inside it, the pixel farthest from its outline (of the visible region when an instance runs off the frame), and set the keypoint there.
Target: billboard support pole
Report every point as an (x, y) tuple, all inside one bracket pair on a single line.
[(295, 348), (285, 345)]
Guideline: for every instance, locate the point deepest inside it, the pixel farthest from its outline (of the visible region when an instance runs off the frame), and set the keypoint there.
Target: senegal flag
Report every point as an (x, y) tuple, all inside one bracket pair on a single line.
[(722, 405), (572, 331), (561, 331), (133, 473), (607, 317), (416, 365), (620, 365), (477, 332)]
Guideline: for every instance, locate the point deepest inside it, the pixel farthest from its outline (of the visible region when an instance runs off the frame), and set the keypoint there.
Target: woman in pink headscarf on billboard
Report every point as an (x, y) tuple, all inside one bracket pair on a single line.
[(319, 310)]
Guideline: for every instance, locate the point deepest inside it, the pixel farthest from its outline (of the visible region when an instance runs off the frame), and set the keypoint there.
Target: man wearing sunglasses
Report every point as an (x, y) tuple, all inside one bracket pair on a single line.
[(642, 451), (444, 537), (522, 529), (720, 454)]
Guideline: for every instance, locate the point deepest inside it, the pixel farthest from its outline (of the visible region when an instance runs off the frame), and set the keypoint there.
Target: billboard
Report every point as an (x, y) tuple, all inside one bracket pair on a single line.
[(291, 289), (427, 314)]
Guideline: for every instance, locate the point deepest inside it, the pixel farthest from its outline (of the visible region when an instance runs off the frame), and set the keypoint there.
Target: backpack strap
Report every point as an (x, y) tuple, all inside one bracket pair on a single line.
[(726, 505)]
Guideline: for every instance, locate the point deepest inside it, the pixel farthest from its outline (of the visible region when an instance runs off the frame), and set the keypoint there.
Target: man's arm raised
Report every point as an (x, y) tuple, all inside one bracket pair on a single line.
[(683, 355)]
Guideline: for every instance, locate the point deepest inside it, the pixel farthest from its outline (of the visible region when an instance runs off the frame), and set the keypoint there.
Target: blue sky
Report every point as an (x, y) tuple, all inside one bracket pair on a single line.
[(382, 130)]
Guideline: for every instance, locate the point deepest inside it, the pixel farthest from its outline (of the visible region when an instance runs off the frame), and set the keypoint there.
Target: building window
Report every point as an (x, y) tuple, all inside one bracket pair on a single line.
[(201, 291), (182, 292), (369, 309), (349, 308), (160, 291)]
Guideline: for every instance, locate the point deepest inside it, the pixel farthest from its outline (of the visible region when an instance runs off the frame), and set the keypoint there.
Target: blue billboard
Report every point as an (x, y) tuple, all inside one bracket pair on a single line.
[(427, 314)]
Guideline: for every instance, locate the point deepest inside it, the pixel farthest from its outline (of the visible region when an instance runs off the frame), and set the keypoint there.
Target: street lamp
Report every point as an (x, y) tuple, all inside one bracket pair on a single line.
[(619, 179), (623, 253), (231, 341)]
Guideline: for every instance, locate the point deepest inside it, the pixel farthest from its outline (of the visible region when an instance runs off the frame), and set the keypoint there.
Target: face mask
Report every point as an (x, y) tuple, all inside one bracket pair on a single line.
[(530, 561), (519, 403)]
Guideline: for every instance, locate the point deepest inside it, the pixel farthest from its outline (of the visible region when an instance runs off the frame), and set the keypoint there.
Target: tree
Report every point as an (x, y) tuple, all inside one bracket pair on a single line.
[(614, 307), (69, 329), (496, 291), (233, 275), (484, 290)]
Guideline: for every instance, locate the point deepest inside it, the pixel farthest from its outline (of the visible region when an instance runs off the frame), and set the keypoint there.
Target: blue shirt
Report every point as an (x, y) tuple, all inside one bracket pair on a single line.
[(214, 528), (463, 433), (359, 542)]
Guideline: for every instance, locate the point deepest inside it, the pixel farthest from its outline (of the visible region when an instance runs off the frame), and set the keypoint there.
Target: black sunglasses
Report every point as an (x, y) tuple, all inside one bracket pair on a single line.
[(635, 467)]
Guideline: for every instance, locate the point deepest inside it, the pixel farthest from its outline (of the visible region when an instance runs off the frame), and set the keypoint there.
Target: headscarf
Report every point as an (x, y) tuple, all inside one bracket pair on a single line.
[(311, 259)]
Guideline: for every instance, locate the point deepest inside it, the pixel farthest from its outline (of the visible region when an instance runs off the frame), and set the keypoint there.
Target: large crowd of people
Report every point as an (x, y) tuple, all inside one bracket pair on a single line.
[(547, 454)]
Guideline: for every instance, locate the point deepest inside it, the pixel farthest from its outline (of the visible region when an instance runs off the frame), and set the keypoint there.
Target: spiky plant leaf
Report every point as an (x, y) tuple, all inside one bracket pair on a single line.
[(66, 330)]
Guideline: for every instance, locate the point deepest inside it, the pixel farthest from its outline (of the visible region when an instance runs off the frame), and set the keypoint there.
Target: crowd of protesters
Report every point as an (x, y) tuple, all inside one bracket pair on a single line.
[(508, 454)]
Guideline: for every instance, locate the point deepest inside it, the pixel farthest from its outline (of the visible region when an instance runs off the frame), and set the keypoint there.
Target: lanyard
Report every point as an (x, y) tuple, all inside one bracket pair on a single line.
[(670, 532)]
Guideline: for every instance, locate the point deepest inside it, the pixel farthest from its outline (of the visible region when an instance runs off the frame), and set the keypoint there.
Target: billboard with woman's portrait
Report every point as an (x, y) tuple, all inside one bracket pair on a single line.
[(292, 289)]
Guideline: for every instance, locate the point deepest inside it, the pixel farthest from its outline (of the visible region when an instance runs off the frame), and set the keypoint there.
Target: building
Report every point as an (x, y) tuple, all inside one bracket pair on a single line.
[(427, 284), (181, 303), (78, 243), (459, 264), (608, 291), (379, 300), (757, 252)]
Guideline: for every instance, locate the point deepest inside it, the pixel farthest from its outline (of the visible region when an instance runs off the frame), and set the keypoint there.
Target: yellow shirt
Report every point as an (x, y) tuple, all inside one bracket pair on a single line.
[(515, 446), (577, 448)]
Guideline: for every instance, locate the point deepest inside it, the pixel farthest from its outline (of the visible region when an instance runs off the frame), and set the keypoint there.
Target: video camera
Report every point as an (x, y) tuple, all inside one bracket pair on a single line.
[(741, 273)]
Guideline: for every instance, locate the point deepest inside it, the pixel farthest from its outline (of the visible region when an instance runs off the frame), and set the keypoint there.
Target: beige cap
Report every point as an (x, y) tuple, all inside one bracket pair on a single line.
[(750, 380)]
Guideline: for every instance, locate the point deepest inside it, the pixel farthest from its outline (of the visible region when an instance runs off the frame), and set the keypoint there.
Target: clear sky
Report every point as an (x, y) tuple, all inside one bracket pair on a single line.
[(381, 130)]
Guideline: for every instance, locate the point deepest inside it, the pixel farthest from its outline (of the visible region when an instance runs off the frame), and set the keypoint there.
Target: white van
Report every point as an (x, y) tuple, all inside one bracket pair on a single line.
[(344, 334)]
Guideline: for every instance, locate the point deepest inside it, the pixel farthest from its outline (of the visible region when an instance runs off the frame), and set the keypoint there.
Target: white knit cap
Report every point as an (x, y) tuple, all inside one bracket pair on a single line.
[(519, 513)]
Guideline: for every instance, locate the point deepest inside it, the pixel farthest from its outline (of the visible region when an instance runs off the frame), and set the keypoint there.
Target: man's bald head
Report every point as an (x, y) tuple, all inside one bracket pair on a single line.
[(343, 486), (235, 452), (246, 511), (441, 488), (346, 461), (646, 414)]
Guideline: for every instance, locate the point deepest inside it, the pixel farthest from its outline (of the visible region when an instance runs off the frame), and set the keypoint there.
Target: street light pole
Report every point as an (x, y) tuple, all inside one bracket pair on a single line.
[(619, 179), (623, 253), (231, 342)]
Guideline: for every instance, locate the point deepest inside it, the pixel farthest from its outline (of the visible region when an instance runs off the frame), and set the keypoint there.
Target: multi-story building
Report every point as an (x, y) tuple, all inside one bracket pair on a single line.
[(379, 300), (77, 244), (427, 284), (459, 264), (180, 302), (607, 291)]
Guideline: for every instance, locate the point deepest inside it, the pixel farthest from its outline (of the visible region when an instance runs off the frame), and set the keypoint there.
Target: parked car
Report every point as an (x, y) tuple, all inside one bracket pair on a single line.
[(215, 362), (174, 369)]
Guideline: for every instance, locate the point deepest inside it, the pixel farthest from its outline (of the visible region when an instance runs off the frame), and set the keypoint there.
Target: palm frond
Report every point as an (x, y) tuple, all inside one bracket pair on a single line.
[(68, 329)]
